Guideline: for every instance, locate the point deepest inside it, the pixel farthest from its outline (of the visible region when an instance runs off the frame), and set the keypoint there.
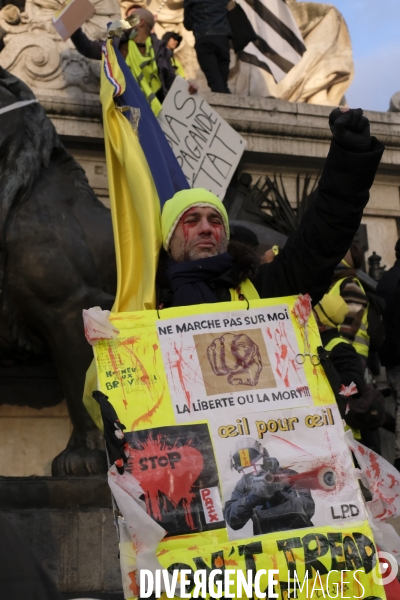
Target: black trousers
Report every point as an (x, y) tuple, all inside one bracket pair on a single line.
[(213, 56)]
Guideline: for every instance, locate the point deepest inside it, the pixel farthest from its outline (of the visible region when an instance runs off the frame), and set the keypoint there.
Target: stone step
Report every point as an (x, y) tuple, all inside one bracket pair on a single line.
[(68, 524)]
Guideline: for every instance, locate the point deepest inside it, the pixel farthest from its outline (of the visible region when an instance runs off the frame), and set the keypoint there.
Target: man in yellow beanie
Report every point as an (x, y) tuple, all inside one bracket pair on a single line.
[(196, 266), (199, 264)]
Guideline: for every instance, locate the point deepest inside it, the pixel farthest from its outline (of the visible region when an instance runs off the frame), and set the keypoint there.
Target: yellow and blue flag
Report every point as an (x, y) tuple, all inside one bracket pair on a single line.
[(143, 173)]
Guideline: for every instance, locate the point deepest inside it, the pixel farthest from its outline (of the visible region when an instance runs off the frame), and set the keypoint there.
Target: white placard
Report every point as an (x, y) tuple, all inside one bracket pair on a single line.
[(232, 363), (207, 148)]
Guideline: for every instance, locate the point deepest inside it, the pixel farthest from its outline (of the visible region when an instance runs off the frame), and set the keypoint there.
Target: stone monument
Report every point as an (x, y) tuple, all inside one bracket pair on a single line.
[(34, 52), (321, 77)]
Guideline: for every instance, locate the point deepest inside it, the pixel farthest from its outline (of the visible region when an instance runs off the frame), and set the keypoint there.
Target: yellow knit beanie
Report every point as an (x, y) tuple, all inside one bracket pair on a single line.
[(175, 207)]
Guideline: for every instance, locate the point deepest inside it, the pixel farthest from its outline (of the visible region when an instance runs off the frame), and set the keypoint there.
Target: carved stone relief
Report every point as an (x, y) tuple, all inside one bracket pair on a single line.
[(34, 52)]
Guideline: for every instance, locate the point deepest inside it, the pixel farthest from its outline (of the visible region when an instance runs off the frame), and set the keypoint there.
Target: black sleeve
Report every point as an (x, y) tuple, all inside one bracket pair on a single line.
[(89, 48), (238, 510), (307, 262), (187, 15), (348, 364), (168, 70)]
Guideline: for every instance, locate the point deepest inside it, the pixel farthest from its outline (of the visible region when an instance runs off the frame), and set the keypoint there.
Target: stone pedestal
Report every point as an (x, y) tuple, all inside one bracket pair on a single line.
[(283, 138), (68, 524)]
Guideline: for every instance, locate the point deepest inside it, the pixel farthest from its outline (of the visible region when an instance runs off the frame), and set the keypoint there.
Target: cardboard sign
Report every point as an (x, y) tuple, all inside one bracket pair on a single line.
[(207, 148), (71, 16), (239, 449)]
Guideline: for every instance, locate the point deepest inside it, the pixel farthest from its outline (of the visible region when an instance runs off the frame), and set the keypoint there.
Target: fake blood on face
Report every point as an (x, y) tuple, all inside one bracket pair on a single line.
[(197, 230)]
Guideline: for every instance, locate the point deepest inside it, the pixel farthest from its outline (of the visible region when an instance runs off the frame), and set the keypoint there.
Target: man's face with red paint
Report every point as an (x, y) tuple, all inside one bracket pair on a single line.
[(200, 233)]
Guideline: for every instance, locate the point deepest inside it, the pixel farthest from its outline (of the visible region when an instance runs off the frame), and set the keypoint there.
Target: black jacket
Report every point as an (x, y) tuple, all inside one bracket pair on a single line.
[(307, 262), (206, 17), (346, 361), (389, 289), (93, 49), (287, 509)]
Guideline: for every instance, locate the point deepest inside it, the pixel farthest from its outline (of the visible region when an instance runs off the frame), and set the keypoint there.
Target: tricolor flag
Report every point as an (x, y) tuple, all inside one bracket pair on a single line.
[(279, 44), (143, 173)]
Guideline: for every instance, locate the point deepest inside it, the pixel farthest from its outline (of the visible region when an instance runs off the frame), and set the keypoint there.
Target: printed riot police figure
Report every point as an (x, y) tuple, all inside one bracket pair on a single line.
[(264, 494)]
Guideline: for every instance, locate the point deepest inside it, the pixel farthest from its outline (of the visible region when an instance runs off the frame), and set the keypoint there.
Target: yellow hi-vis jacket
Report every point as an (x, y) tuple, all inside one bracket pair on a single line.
[(361, 340), (145, 70)]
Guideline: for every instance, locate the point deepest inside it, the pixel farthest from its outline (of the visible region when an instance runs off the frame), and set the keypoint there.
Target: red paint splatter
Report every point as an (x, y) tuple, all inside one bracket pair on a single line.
[(392, 478), (231, 563), (269, 334), (311, 479), (179, 367), (133, 586), (171, 472), (163, 552), (218, 562), (302, 309), (285, 363), (156, 398), (290, 444), (375, 465)]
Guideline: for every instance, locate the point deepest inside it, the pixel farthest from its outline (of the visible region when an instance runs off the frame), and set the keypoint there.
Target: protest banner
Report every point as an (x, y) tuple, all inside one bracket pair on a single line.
[(239, 449), (207, 148)]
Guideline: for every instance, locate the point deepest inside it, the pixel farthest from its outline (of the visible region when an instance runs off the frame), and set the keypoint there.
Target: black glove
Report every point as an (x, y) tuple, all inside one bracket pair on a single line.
[(350, 129), (113, 431)]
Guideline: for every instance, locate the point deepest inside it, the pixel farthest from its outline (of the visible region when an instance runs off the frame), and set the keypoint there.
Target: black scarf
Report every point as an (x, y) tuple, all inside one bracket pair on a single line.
[(189, 280)]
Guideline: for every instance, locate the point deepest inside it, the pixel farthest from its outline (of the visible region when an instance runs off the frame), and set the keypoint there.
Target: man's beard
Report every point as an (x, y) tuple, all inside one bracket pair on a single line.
[(180, 252)]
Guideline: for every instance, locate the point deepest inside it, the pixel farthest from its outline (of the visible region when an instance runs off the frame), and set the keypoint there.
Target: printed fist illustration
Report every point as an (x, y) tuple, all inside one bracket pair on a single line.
[(237, 357)]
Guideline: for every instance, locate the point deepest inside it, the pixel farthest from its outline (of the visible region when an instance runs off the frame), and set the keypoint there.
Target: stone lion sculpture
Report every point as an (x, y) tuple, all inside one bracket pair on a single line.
[(56, 258)]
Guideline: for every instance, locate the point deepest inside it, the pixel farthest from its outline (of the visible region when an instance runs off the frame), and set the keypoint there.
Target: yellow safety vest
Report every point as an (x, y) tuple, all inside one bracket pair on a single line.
[(245, 289), (330, 346), (361, 340), (178, 67), (144, 69)]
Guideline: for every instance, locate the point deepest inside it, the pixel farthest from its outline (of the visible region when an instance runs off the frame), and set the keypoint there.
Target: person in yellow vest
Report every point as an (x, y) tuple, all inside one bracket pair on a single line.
[(360, 405), (347, 285), (147, 57), (199, 265), (172, 41), (330, 313)]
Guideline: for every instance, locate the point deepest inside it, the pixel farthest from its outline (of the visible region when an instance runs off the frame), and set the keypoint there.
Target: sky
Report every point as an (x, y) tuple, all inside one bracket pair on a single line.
[(374, 27)]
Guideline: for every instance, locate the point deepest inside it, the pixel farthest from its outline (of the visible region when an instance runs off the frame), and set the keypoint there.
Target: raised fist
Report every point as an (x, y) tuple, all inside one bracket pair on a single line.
[(350, 129)]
